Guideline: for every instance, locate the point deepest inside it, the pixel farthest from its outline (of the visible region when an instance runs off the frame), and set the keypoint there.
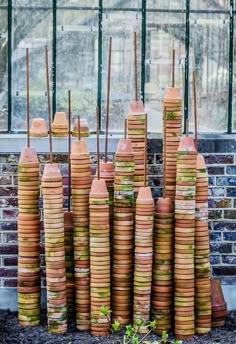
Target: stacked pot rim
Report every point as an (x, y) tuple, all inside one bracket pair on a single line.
[(60, 125), (185, 238), (28, 239), (84, 128), (143, 255), (100, 291), (202, 252), (172, 129), (81, 184), (136, 133), (54, 248), (163, 265), (123, 233)]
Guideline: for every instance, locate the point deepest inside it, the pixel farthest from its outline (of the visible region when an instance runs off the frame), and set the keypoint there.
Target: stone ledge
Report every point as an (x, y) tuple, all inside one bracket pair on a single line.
[(207, 143), (8, 297)]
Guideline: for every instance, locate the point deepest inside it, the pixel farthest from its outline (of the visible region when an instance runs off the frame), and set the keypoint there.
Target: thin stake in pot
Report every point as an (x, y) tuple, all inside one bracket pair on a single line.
[(27, 98), (49, 105), (108, 97)]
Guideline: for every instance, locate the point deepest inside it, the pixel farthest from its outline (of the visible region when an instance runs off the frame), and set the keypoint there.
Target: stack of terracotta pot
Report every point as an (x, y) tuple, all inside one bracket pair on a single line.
[(100, 290), (107, 174), (60, 125), (163, 265), (218, 304), (136, 134), (143, 254), (81, 184), (123, 233), (38, 128), (84, 129), (202, 252), (172, 130), (28, 239), (54, 248), (185, 238), (69, 256)]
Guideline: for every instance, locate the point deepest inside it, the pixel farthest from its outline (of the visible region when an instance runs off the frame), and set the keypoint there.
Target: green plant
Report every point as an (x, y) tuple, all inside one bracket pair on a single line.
[(131, 333)]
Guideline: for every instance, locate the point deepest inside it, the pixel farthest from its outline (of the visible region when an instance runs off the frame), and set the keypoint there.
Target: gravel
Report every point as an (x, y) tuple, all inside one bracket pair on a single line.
[(12, 333)]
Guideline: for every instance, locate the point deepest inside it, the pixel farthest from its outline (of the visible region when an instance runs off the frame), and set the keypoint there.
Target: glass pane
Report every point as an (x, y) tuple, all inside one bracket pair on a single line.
[(30, 3), (77, 3), (121, 26), (162, 31), (3, 70), (166, 4), (33, 34), (210, 5), (209, 46), (77, 41), (130, 4)]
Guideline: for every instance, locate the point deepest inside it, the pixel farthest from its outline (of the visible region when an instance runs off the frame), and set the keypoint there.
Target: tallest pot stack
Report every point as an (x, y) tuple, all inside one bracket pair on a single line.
[(172, 130), (28, 239), (184, 239)]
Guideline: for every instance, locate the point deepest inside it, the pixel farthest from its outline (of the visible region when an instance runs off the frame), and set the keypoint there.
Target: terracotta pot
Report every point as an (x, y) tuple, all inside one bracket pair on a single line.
[(38, 128)]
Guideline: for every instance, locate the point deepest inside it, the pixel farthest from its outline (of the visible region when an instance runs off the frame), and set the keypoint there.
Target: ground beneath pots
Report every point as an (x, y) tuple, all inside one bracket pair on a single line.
[(12, 333)]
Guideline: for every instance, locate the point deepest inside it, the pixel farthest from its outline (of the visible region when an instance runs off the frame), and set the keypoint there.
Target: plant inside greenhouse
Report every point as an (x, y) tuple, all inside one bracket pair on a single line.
[(117, 172)]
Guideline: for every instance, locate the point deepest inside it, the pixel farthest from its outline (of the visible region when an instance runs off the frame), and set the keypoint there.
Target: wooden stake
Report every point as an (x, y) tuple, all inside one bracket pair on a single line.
[(125, 129), (79, 136), (108, 97), (145, 153), (98, 148), (27, 98), (164, 155), (195, 108), (173, 66), (135, 68), (187, 127), (69, 149), (49, 105)]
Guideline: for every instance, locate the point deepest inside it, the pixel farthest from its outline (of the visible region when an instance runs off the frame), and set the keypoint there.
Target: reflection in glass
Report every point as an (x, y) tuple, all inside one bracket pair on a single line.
[(121, 26), (33, 34), (77, 43), (162, 32), (209, 46)]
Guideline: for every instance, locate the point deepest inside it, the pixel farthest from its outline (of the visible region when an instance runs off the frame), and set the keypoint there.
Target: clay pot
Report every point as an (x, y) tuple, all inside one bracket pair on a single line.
[(60, 124), (38, 128)]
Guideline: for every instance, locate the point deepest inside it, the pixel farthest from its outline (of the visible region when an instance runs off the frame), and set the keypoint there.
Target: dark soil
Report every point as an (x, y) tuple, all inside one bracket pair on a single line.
[(12, 333)]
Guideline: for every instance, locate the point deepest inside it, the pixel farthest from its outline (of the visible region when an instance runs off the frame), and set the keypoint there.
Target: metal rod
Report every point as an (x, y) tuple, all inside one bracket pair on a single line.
[(9, 65), (143, 48), (187, 127), (69, 149), (173, 66), (186, 84), (125, 129), (231, 68), (79, 136), (27, 98), (135, 68), (164, 154), (145, 153), (100, 60), (49, 105), (108, 97), (98, 148), (54, 56), (195, 109)]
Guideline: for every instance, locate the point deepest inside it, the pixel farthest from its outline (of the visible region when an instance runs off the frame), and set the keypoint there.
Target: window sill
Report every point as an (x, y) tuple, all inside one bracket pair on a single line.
[(13, 143)]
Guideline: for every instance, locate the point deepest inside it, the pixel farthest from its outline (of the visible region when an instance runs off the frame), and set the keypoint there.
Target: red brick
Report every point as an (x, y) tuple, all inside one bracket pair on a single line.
[(10, 283), (9, 214), (8, 191), (4, 272), (8, 202), (8, 249), (9, 169), (5, 180), (8, 226), (10, 238), (10, 261)]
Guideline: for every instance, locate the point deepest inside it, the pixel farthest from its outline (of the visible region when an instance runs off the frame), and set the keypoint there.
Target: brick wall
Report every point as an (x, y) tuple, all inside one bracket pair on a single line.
[(221, 162)]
